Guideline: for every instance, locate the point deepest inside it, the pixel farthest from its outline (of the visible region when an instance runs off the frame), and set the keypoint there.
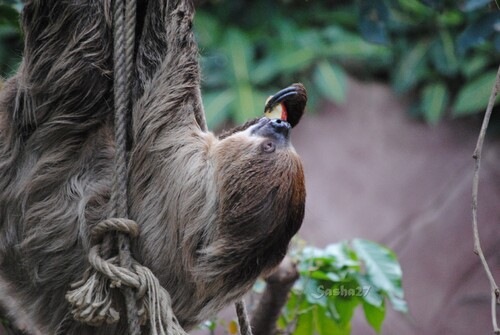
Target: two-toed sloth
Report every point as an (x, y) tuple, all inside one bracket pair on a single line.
[(214, 213)]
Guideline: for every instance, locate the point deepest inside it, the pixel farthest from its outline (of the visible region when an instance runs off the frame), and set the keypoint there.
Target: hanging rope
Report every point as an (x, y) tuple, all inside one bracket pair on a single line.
[(123, 37), (145, 298)]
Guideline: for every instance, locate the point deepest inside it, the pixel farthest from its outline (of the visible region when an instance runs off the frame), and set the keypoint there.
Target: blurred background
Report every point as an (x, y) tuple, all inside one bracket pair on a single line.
[(397, 91)]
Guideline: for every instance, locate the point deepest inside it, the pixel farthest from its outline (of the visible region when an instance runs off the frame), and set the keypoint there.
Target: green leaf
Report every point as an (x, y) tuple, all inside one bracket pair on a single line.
[(281, 323), (370, 293), (373, 17), (450, 18), (286, 30), (239, 50), (411, 67), (9, 16), (473, 96), (374, 315), (265, 70), (434, 102), (349, 46), (433, 3), (291, 308), (330, 80), (209, 324), (478, 32), (249, 102), (382, 267), (343, 15), (342, 254), (217, 106), (415, 10), (208, 30), (345, 305), (246, 106), (326, 326), (473, 65), (305, 324), (470, 5), (296, 60), (289, 62), (328, 276), (443, 54), (399, 304), (313, 254), (315, 292)]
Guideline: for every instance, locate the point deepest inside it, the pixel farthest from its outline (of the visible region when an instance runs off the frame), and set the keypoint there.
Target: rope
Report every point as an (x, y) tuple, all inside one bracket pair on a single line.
[(91, 298), (145, 299), (241, 312), (123, 36)]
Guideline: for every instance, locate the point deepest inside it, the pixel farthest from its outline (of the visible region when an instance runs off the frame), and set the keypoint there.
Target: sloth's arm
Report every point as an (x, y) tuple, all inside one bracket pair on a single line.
[(64, 81), (168, 75)]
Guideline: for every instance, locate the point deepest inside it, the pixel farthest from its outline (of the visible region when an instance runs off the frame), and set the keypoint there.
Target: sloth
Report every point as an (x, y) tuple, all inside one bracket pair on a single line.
[(215, 212)]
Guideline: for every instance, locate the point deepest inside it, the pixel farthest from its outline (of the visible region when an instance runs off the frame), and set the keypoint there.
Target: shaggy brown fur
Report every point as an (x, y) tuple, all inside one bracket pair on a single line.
[(214, 213)]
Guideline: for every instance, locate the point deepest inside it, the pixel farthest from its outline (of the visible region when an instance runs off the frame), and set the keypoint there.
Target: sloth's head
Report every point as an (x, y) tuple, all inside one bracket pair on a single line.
[(261, 192)]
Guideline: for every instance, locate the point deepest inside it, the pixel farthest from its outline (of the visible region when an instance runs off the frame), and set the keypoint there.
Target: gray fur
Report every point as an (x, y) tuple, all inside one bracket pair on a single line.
[(213, 213)]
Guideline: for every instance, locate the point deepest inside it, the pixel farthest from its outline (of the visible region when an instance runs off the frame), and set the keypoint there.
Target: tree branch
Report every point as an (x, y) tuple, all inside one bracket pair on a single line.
[(495, 293), (279, 284)]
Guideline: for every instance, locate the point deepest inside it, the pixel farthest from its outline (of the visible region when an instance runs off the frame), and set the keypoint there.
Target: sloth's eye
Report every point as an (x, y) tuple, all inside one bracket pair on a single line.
[(268, 147)]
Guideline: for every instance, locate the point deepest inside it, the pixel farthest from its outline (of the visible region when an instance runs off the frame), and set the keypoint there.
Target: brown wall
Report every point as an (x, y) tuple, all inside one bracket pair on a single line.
[(373, 172)]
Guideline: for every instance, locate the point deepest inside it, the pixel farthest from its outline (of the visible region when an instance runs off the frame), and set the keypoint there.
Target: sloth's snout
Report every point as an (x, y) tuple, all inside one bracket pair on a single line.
[(272, 128), (280, 126)]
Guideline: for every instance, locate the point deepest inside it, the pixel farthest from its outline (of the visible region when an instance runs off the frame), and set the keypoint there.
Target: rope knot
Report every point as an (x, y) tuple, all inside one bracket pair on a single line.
[(122, 225), (91, 298)]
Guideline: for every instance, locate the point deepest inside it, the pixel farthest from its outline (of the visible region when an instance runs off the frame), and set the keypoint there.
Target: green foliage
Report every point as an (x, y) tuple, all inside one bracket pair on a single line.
[(475, 94), (10, 37), (338, 279), (248, 57), (442, 50), (435, 48), (445, 51), (434, 101)]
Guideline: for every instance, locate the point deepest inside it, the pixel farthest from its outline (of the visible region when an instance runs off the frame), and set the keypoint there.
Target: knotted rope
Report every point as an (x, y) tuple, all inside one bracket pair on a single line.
[(91, 297), (124, 41)]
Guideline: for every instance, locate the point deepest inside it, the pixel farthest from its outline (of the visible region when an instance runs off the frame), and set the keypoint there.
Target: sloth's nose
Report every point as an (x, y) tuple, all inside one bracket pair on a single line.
[(280, 126)]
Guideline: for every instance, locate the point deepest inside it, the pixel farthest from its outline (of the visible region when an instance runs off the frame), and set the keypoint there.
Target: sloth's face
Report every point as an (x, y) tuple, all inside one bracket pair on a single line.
[(260, 181), (260, 178), (262, 149), (271, 133)]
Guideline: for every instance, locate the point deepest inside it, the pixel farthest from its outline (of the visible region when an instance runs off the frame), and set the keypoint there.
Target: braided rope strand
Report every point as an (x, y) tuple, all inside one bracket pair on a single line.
[(123, 33), (145, 298)]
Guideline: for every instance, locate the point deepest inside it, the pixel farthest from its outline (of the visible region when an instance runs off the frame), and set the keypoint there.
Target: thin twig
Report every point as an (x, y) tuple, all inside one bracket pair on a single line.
[(495, 293)]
